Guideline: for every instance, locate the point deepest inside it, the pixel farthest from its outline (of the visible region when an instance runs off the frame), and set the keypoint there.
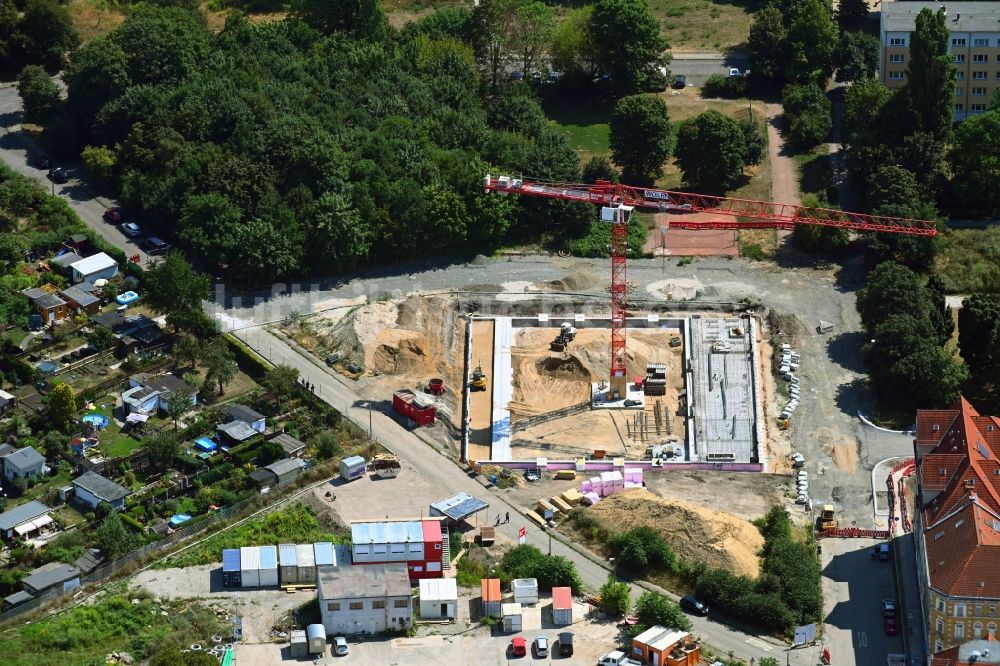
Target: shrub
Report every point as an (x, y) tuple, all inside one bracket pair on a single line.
[(653, 608), (249, 361), (718, 85), (643, 548), (616, 598)]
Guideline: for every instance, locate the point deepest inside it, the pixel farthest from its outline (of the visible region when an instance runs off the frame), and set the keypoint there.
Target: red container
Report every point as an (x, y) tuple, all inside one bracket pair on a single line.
[(435, 387), (406, 403)]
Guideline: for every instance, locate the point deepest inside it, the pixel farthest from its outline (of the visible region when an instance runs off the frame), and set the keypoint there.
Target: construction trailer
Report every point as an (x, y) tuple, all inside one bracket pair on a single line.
[(512, 617), (352, 468), (300, 644), (409, 405), (491, 597), (288, 564), (306, 561), (438, 599), (250, 566), (525, 590)]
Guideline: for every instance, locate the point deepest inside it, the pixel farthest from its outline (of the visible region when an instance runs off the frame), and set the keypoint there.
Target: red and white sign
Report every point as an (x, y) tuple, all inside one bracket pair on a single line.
[(522, 535)]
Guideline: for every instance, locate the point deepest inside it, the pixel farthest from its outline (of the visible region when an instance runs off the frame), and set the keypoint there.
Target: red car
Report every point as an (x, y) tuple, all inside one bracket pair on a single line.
[(889, 624), (113, 216), (518, 647)]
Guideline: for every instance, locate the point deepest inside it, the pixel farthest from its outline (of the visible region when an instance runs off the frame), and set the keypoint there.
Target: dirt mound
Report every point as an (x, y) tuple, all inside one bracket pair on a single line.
[(400, 352), (567, 367), (717, 538)]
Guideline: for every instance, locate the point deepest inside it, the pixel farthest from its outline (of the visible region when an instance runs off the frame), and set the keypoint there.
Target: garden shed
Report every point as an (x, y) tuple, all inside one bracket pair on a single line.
[(438, 598)]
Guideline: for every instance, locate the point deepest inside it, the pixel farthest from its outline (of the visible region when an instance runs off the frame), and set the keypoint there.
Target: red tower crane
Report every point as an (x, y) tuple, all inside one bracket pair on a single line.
[(618, 201)]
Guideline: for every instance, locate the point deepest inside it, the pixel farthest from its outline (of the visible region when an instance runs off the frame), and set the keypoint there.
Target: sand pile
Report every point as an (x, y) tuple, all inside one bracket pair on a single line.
[(576, 281), (717, 538)]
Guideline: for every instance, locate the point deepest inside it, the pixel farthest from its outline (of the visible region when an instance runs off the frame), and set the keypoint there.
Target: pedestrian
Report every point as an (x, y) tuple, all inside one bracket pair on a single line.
[(498, 522), (507, 518)]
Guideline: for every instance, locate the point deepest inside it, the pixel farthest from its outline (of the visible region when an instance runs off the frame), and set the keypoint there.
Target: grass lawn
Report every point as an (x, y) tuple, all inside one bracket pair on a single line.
[(816, 173), (584, 123), (93, 18), (967, 260), (703, 25), (15, 335), (50, 483), (114, 442), (68, 515)]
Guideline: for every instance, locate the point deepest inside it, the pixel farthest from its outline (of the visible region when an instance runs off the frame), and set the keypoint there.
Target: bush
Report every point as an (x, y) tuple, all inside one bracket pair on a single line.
[(597, 241), (808, 112), (752, 251), (642, 548), (616, 598), (249, 361), (551, 570), (653, 608), (730, 87)]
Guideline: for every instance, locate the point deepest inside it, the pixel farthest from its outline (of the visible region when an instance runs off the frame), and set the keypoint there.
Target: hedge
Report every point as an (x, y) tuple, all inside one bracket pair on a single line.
[(249, 361)]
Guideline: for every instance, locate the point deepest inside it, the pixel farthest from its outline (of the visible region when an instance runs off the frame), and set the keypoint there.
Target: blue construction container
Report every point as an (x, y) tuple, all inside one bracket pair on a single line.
[(231, 575)]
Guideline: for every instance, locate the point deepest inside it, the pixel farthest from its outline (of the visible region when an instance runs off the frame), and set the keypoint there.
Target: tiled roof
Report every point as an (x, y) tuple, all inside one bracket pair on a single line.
[(960, 490)]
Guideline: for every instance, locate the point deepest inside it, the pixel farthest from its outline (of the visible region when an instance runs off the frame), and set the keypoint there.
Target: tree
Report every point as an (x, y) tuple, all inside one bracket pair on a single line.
[(930, 77), (892, 289), (282, 382), (979, 336), (808, 111), (269, 452), (45, 34), (327, 445), (337, 232), (894, 191), (711, 152), (179, 404), (97, 75), (753, 142), (162, 448), (174, 288), (265, 252), (572, 49), (975, 162), (517, 110), (209, 224), (39, 94), (653, 608), (851, 14), (863, 104), (99, 161), (62, 404), (114, 538), (640, 139), (187, 348), (857, 56), (220, 364), (616, 597), (766, 44), (627, 44), (494, 34), (933, 374), (521, 560), (101, 338), (819, 238), (810, 42), (556, 571), (600, 168), (535, 25), (361, 18)]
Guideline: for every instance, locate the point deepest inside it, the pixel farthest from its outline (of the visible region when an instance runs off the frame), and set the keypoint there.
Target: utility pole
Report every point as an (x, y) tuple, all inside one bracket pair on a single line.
[(369, 420)]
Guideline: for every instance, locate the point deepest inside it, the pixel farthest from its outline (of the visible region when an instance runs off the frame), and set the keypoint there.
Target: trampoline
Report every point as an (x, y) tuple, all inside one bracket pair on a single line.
[(127, 298), (99, 421)]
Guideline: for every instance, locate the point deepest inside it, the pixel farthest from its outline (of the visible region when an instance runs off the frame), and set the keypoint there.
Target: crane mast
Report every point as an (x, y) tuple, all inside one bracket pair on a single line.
[(618, 201)]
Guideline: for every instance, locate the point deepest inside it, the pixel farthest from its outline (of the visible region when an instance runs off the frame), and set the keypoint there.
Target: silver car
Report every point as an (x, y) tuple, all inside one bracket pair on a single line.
[(340, 646), (541, 646)]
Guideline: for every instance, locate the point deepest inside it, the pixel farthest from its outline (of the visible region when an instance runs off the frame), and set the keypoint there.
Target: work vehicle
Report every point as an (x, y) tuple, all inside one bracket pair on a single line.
[(881, 552), (478, 382), (541, 646), (692, 605), (518, 647), (617, 658), (798, 460), (113, 215), (59, 175), (566, 644), (888, 608), (567, 333), (340, 646), (890, 626), (679, 81), (385, 466), (826, 520), (131, 229)]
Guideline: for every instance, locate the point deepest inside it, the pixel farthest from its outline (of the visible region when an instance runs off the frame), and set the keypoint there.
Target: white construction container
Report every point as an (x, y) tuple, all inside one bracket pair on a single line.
[(288, 564), (525, 590), (300, 645), (250, 566), (306, 561), (316, 635), (562, 606), (352, 468), (268, 566), (511, 615)]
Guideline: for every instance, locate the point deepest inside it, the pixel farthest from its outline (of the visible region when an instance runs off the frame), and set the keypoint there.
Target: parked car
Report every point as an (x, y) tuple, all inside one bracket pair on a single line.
[(131, 229), (541, 646), (566, 644), (889, 624), (632, 403), (692, 605), (518, 647), (888, 608), (154, 245), (59, 175), (734, 71), (113, 215), (679, 81), (340, 646)]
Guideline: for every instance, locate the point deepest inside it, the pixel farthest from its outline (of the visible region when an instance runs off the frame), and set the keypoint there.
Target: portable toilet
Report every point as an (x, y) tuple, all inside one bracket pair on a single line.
[(231, 568), (268, 571), (352, 468), (316, 635), (250, 567), (511, 615), (525, 590), (288, 564), (562, 606), (307, 564), (300, 645)]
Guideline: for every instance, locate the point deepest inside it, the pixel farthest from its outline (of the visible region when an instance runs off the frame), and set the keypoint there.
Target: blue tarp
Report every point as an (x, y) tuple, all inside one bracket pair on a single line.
[(205, 444), (178, 519)]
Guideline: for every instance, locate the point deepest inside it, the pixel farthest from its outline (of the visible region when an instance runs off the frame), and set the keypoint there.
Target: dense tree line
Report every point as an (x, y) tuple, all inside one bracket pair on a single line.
[(273, 149), (36, 32)]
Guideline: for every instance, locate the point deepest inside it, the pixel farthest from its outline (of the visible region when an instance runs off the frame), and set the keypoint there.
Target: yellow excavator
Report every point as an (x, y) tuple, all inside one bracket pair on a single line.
[(478, 382)]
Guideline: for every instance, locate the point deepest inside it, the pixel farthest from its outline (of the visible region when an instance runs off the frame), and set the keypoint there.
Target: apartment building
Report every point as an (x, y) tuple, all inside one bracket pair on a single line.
[(957, 524), (974, 46)]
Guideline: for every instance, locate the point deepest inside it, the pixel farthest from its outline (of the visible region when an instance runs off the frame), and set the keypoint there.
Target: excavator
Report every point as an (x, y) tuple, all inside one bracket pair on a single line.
[(478, 382), (826, 520)]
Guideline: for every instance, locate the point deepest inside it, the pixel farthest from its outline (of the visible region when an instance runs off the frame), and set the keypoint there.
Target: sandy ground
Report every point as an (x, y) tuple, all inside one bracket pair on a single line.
[(691, 242), (717, 538), (260, 609), (742, 494), (481, 402)]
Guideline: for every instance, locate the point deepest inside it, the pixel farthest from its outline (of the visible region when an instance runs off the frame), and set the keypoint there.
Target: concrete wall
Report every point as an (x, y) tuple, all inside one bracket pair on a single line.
[(365, 617)]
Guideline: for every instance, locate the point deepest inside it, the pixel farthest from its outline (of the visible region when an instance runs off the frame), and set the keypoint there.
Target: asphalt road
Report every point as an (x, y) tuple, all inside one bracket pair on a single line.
[(697, 67), (17, 149)]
